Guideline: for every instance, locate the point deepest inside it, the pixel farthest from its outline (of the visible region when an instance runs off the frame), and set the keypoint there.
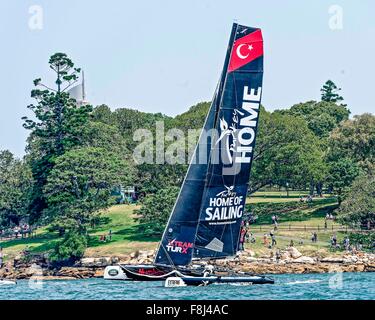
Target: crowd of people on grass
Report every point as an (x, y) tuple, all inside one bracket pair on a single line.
[(106, 237), (20, 231), (269, 239), (307, 199)]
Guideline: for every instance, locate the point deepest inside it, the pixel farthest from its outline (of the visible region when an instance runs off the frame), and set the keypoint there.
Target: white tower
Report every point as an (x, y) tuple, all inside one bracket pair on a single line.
[(78, 92)]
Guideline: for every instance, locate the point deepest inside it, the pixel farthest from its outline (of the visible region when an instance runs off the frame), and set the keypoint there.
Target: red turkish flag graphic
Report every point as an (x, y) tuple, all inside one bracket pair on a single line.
[(246, 49)]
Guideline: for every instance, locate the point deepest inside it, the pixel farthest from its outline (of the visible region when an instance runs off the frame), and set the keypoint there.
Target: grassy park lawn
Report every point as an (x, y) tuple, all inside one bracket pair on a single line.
[(126, 236)]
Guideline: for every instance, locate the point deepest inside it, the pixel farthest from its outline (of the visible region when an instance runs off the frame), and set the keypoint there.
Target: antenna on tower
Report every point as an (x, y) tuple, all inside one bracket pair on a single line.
[(83, 86)]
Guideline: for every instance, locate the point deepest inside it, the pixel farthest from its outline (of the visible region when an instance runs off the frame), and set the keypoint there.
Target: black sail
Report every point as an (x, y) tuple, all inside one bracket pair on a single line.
[(219, 169), (224, 194)]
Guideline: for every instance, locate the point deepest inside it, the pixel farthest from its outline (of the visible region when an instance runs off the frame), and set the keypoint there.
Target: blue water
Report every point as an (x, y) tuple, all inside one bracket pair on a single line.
[(310, 286)]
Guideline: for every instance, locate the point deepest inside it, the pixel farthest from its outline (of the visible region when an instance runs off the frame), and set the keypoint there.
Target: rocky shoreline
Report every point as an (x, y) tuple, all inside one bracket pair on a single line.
[(290, 260)]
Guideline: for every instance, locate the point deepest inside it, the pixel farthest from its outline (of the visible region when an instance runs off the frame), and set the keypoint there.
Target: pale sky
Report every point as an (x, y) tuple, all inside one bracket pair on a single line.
[(164, 56)]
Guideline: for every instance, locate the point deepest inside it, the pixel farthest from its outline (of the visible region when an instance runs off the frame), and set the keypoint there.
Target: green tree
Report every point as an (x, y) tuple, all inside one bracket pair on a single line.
[(194, 118), (330, 92), (156, 210), (321, 117), (286, 152), (70, 249), (105, 136), (56, 128), (359, 206), (103, 113), (150, 176), (15, 187), (341, 175), (355, 139), (80, 185)]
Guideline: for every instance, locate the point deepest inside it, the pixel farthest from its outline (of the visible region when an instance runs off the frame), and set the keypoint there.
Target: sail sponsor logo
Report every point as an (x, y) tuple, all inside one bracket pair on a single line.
[(248, 123), (224, 208), (228, 192), (237, 140), (150, 272), (179, 246)]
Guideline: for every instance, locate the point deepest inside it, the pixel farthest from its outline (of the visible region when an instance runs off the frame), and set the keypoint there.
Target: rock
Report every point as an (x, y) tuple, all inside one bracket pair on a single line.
[(304, 259), (144, 254), (87, 261), (99, 273), (150, 253), (350, 259), (95, 262), (134, 254), (251, 259), (115, 260), (370, 267), (78, 273), (124, 260), (294, 253), (332, 260), (285, 255), (249, 253)]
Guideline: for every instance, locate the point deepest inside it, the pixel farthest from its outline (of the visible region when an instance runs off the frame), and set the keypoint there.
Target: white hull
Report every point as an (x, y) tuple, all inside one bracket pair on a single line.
[(114, 273)]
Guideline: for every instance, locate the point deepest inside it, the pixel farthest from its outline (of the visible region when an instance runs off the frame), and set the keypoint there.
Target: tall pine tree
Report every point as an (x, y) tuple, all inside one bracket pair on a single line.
[(330, 92), (56, 128)]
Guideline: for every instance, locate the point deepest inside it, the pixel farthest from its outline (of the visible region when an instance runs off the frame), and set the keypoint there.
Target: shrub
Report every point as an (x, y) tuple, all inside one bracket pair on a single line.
[(70, 249), (156, 210), (366, 239)]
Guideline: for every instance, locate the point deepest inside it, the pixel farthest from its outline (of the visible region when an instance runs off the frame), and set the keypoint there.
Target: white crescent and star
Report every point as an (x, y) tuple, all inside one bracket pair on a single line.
[(238, 51)]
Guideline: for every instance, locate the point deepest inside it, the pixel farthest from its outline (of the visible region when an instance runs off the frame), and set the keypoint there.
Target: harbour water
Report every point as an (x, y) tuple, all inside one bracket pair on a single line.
[(338, 286)]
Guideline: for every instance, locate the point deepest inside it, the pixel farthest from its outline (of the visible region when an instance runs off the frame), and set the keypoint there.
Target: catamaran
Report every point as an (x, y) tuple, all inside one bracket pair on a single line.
[(206, 220)]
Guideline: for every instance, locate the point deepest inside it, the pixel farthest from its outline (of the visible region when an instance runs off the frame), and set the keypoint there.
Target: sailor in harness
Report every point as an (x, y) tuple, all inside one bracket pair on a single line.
[(208, 271)]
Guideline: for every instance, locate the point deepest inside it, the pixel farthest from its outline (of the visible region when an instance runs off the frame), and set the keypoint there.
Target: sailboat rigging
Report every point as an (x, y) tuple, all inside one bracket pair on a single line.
[(206, 219)]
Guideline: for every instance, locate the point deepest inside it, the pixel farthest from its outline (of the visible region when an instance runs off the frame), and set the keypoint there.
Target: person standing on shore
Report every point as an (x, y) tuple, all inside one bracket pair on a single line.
[(274, 243), (242, 238), (347, 243), (265, 240), (252, 238), (278, 255), (1, 257), (314, 237), (334, 240), (247, 235), (273, 219)]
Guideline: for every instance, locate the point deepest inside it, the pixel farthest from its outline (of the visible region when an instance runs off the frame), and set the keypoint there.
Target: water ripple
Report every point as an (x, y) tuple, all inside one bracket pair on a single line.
[(288, 287)]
